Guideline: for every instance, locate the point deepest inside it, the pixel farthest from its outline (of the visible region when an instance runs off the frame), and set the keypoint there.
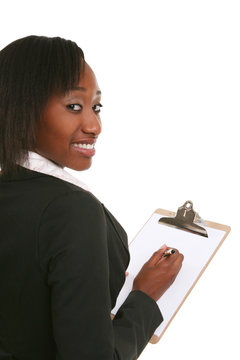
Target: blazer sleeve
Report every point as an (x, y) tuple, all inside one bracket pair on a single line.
[(73, 253)]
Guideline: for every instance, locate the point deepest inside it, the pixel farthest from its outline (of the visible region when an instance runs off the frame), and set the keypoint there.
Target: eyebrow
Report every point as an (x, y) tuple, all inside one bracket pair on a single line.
[(84, 89)]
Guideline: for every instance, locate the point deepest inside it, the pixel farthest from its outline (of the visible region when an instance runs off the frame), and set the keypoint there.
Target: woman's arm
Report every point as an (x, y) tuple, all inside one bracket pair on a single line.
[(74, 255)]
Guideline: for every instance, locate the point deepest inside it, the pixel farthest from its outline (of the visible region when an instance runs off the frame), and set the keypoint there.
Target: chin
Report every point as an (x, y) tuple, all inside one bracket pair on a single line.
[(83, 166)]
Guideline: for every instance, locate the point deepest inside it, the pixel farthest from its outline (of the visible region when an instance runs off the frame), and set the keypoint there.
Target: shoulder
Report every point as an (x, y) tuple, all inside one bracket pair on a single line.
[(73, 209), (74, 202), (50, 191), (71, 227)]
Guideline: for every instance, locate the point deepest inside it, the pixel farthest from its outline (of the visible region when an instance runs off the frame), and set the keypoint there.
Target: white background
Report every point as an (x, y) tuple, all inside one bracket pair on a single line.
[(170, 76)]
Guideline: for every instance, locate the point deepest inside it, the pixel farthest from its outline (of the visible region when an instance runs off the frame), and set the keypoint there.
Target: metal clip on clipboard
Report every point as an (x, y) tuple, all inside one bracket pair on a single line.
[(184, 220)]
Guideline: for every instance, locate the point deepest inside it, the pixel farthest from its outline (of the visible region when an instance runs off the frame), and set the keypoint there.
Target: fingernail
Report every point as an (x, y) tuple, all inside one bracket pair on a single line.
[(163, 246)]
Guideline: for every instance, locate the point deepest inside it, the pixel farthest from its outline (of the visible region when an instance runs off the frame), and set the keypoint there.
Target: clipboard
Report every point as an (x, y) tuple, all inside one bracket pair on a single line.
[(196, 239)]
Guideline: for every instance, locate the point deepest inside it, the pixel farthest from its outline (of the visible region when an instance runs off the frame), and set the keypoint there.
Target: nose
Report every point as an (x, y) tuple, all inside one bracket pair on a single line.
[(91, 124)]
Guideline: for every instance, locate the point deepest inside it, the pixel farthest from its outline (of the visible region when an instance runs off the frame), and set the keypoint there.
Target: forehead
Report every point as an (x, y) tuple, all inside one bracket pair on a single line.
[(87, 85), (88, 79)]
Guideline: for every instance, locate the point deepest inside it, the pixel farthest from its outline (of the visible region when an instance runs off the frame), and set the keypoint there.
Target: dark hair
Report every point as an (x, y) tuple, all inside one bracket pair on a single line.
[(31, 70)]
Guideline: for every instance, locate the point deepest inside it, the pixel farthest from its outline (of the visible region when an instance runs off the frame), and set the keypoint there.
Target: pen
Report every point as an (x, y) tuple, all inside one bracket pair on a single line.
[(169, 252)]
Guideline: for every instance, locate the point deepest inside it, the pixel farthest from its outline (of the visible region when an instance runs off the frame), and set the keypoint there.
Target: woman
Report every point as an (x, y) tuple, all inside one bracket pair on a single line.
[(63, 256)]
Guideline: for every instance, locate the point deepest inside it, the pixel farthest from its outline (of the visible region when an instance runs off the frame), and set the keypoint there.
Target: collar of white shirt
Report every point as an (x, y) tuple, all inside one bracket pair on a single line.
[(40, 164)]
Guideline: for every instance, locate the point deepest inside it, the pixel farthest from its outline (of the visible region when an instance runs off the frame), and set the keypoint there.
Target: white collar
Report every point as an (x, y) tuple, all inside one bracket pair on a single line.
[(40, 164)]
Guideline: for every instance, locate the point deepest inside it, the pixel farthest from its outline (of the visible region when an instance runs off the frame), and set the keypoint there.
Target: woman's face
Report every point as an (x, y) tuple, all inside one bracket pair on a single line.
[(71, 124)]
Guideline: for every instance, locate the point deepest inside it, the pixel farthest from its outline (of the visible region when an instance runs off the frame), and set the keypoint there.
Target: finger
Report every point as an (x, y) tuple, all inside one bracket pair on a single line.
[(177, 264), (178, 261), (154, 259), (169, 251), (170, 258)]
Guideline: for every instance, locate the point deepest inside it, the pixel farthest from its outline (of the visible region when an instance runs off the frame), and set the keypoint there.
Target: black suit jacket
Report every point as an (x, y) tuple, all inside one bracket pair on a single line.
[(63, 258)]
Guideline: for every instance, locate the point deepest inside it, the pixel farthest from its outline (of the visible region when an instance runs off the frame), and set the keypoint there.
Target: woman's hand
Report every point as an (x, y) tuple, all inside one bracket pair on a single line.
[(158, 273)]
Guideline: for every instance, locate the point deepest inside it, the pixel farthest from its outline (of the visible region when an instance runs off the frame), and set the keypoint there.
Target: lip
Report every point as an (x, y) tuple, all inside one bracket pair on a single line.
[(84, 141), (84, 152)]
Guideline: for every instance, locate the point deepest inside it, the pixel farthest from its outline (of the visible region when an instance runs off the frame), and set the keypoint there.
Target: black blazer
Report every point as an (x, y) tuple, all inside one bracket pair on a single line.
[(63, 258)]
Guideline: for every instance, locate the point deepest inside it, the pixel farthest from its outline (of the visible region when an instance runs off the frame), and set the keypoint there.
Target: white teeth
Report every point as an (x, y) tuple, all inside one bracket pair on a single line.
[(84, 146)]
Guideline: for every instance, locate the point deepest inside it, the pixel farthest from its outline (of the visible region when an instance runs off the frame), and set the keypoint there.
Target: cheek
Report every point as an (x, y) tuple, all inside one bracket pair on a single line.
[(55, 129), (50, 139)]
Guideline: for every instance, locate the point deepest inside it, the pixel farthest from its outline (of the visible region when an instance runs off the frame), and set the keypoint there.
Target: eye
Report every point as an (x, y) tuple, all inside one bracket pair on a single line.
[(74, 107), (97, 108)]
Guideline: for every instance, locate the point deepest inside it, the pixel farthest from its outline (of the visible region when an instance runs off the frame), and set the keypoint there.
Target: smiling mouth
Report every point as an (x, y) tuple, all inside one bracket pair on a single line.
[(85, 149), (84, 146)]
